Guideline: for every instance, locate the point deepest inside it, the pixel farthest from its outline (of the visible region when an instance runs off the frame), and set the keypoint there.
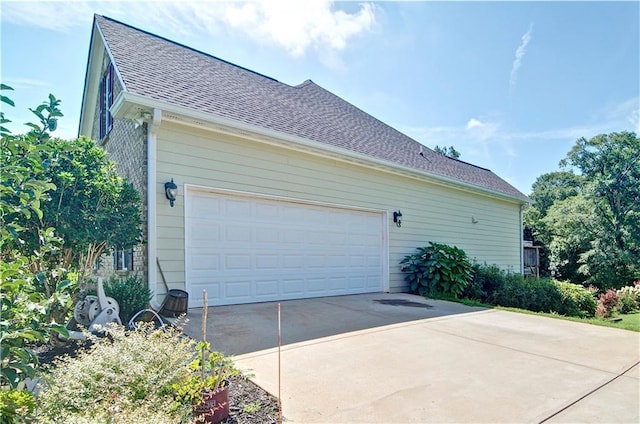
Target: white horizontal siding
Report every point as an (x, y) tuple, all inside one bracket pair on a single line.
[(431, 212)]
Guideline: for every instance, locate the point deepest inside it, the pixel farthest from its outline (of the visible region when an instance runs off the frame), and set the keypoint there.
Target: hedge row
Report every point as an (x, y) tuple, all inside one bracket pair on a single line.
[(494, 286)]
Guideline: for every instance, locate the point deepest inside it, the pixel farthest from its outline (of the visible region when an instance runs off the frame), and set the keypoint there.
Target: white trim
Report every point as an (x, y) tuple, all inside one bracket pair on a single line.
[(127, 102), (188, 188)]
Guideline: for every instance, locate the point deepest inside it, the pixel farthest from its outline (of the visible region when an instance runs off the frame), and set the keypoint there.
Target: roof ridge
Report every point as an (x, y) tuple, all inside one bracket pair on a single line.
[(185, 47)]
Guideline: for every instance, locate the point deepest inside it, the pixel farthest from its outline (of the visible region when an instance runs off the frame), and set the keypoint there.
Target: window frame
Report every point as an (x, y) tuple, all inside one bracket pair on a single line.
[(105, 102), (123, 260)]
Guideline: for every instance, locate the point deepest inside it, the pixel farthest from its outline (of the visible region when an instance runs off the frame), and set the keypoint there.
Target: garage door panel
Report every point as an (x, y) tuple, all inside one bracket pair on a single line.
[(206, 262), (243, 249), (295, 262), (268, 288), (266, 262), (238, 289), (293, 286), (237, 262)]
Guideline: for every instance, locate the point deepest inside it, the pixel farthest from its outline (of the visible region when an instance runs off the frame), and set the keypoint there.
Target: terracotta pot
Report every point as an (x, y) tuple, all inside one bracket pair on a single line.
[(214, 407)]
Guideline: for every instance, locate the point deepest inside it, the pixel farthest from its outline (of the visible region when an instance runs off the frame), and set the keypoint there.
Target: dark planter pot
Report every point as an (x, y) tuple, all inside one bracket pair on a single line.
[(214, 407)]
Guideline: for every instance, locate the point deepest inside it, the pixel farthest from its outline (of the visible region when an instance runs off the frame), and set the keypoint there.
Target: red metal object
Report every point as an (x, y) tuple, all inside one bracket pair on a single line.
[(214, 407)]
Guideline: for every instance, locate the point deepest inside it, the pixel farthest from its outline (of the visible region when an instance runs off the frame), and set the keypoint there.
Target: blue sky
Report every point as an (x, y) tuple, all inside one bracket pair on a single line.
[(512, 85)]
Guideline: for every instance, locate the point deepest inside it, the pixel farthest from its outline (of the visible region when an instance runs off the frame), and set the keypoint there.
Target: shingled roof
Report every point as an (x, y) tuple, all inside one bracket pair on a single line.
[(160, 69)]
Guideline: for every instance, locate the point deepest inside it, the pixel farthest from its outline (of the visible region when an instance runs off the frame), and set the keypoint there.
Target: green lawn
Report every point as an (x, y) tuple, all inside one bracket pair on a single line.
[(629, 322)]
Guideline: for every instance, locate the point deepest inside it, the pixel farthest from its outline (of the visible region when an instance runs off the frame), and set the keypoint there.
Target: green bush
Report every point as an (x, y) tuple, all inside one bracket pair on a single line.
[(538, 295), (16, 406), (437, 268), (484, 283), (125, 377), (131, 293), (576, 300), (494, 286)]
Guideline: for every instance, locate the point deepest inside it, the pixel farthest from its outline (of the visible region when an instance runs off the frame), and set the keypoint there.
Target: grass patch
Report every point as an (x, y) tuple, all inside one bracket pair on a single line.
[(629, 322)]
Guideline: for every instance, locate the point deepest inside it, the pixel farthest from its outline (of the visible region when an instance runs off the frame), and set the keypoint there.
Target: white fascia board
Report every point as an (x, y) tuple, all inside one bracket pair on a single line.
[(90, 92), (126, 103)]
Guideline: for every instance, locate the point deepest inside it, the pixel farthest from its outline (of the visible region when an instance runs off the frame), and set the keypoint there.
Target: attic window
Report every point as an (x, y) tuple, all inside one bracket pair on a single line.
[(106, 100)]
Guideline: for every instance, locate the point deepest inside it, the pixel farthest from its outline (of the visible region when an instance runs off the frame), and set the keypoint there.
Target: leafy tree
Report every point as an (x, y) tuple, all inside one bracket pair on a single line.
[(554, 186), (91, 207), (26, 313), (547, 189), (447, 151), (589, 222), (570, 225), (610, 163)]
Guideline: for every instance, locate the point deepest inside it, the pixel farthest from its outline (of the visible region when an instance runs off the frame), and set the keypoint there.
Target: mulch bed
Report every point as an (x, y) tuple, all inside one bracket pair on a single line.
[(248, 402)]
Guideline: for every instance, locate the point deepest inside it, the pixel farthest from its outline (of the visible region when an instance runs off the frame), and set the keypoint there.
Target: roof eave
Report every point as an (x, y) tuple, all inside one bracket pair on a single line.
[(131, 106), (87, 106)]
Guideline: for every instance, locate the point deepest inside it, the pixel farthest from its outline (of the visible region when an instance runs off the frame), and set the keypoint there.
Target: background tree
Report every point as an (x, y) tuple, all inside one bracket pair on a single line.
[(547, 189), (447, 151), (589, 223), (610, 163)]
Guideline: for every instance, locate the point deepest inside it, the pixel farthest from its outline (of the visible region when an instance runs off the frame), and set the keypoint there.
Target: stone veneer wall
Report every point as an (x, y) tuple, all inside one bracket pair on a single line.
[(126, 145)]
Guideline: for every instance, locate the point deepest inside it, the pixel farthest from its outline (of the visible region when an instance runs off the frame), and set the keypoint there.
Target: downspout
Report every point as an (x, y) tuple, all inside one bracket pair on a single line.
[(522, 206), (152, 243)]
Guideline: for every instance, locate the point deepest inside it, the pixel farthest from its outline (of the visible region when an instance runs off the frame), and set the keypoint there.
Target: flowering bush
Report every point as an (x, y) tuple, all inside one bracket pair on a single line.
[(628, 299), (607, 303)]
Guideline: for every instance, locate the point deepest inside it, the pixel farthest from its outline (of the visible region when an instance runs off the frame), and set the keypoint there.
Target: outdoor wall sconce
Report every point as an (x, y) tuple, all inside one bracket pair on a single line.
[(397, 218), (171, 190)]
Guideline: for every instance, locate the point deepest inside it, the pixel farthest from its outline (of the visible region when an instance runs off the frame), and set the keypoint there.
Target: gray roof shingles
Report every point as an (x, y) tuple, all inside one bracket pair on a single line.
[(160, 69)]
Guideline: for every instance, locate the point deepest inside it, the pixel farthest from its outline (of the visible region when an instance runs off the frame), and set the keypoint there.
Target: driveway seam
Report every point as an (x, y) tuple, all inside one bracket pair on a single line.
[(586, 395), (530, 353)]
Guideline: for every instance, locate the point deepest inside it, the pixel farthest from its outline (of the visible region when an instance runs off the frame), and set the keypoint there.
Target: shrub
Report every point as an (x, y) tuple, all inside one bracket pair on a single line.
[(607, 303), (131, 293), (16, 406), (437, 268), (538, 295), (628, 299), (125, 377), (576, 300), (484, 283)]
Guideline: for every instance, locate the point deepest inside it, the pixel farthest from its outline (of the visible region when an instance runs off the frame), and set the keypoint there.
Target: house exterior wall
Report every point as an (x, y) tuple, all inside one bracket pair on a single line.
[(126, 146), (431, 212)]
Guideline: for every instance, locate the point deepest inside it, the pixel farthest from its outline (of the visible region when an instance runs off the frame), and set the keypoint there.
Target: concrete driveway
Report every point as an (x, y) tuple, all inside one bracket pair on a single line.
[(399, 358)]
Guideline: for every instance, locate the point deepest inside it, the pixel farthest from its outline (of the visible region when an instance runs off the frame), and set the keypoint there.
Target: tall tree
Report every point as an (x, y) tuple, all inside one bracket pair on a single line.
[(610, 163), (546, 190)]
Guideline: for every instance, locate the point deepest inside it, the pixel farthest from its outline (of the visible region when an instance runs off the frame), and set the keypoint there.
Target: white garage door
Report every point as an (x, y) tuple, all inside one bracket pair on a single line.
[(248, 249)]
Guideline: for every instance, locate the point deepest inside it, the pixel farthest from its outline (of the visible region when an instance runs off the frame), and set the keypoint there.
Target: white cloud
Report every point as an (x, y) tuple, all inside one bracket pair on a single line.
[(52, 15), (624, 115), (520, 52), (293, 25), (25, 83), (297, 26)]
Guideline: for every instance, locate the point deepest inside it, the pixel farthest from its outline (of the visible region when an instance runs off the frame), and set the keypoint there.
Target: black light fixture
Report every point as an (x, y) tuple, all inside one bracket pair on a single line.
[(397, 218), (171, 190)]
